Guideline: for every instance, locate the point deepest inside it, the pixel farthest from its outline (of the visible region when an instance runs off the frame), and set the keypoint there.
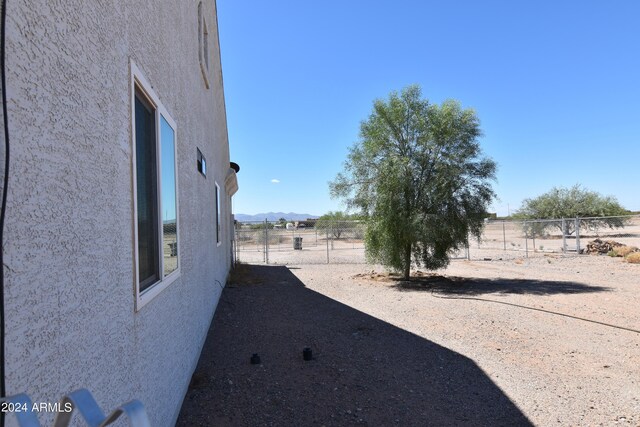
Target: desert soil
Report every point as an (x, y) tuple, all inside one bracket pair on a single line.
[(543, 341)]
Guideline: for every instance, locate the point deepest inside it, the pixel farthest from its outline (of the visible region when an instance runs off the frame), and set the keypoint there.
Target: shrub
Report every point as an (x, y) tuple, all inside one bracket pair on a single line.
[(572, 202), (625, 250), (612, 253), (633, 258)]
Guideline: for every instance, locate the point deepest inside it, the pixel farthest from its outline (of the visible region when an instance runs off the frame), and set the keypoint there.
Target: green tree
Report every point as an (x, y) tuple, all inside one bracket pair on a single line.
[(418, 175), (336, 223), (574, 202)]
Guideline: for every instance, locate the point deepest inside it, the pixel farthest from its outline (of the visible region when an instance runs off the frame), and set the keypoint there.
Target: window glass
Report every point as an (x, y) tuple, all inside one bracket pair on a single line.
[(217, 214), (168, 198), (146, 192)]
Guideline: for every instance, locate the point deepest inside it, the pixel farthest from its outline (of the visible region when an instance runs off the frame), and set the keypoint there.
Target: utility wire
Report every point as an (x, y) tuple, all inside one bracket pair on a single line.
[(433, 294)]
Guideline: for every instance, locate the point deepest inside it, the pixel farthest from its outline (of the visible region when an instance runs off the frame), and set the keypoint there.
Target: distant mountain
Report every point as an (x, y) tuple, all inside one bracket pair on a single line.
[(273, 216)]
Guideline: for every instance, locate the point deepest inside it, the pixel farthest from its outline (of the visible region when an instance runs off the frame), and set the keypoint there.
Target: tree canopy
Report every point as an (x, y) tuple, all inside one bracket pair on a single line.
[(574, 202), (418, 175), (336, 223)]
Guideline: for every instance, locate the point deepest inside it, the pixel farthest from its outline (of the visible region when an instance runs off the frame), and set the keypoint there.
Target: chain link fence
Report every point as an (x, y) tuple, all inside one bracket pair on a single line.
[(342, 242), (567, 236), (339, 242)]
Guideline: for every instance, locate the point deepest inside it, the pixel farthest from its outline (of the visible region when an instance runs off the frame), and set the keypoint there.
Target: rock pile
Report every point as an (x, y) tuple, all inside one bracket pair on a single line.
[(598, 246)]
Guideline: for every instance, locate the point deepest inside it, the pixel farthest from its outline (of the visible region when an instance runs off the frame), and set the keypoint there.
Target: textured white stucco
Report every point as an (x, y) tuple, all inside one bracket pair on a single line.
[(69, 248)]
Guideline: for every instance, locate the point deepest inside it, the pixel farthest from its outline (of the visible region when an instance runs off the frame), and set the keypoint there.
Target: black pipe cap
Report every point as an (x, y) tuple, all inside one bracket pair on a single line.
[(307, 354), (255, 359)]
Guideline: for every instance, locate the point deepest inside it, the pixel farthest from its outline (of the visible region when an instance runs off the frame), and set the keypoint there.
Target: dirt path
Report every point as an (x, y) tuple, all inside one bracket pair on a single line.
[(365, 371), (510, 342)]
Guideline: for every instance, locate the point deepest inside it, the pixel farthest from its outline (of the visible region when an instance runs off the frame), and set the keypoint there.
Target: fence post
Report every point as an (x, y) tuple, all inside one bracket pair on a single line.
[(235, 246), (533, 237), (526, 241), (577, 235), (332, 234), (564, 236), (266, 241), (504, 237), (327, 240)]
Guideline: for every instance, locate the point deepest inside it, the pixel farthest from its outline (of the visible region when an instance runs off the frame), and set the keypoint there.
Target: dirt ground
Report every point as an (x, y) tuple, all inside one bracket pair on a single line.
[(542, 341)]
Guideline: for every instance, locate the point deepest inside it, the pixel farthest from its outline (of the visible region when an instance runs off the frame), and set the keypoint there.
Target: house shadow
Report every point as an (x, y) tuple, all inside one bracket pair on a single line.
[(364, 371), (453, 285)]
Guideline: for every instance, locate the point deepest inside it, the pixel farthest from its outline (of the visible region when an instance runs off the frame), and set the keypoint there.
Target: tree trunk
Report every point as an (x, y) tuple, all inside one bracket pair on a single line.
[(407, 262)]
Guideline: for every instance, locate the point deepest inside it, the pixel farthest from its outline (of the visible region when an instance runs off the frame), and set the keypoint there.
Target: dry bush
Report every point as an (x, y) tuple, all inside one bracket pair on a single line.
[(625, 250), (622, 251), (633, 258)]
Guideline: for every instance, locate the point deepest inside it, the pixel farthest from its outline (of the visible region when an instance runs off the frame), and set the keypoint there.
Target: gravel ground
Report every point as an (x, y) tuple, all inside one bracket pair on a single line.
[(501, 342)]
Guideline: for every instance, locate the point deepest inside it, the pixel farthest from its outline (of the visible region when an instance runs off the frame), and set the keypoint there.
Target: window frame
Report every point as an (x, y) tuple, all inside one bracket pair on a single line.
[(203, 44), (202, 163), (139, 84), (218, 216)]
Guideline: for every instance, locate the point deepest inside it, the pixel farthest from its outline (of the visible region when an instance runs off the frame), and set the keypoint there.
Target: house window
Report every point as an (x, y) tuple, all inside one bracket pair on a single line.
[(146, 186), (156, 200), (218, 217), (203, 45), (202, 163)]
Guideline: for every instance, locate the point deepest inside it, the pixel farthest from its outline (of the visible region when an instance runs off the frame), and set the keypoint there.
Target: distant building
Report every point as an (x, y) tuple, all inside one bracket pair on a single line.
[(308, 223), (119, 226)]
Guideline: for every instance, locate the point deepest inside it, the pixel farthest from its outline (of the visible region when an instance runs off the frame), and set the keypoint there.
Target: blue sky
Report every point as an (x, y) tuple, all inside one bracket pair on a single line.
[(556, 86)]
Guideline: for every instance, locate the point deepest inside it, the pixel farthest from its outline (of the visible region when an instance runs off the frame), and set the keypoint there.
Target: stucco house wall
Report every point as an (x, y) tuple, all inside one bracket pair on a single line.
[(71, 314)]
